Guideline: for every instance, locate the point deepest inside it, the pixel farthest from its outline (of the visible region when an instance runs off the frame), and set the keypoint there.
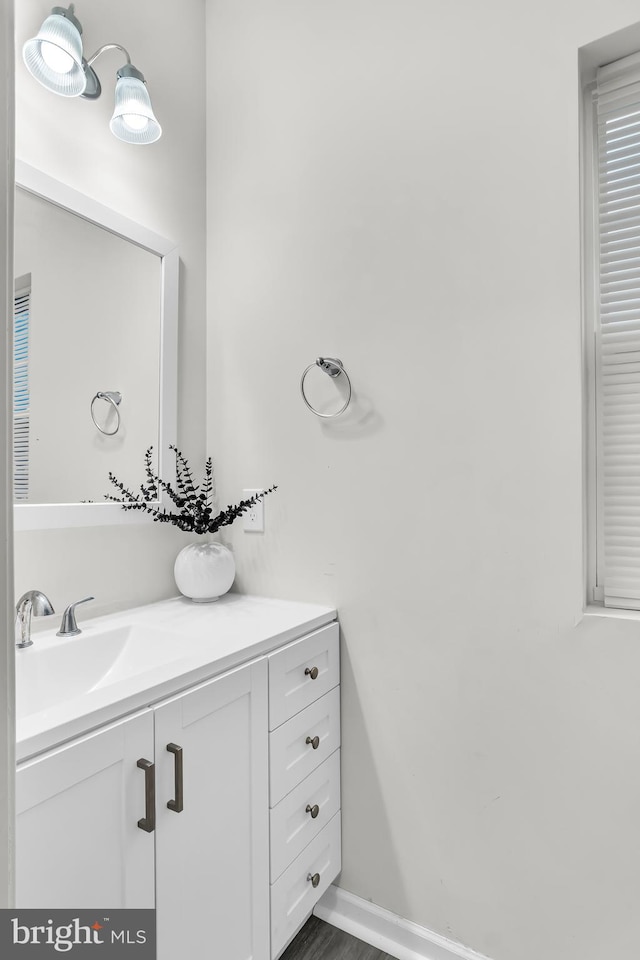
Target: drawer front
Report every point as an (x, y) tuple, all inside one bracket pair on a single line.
[(303, 672), (293, 896), (291, 747), (293, 825)]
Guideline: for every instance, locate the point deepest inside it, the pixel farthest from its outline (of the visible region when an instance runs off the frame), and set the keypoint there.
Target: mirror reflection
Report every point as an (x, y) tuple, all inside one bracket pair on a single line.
[(87, 354)]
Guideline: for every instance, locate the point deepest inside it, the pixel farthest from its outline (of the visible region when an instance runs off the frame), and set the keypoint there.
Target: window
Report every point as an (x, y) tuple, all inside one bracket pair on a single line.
[(21, 310), (613, 304)]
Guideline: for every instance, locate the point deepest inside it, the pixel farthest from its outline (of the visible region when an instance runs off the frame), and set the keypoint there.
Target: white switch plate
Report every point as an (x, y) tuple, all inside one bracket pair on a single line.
[(253, 520)]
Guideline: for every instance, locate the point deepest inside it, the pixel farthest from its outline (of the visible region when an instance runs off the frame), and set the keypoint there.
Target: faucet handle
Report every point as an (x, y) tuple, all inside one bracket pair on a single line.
[(69, 627)]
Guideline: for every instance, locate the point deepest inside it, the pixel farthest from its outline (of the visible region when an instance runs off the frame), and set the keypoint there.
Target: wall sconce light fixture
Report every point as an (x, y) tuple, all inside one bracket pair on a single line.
[(55, 58)]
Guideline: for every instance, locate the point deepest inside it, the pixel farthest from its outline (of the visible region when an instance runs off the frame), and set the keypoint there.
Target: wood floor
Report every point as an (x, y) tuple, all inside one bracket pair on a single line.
[(320, 941)]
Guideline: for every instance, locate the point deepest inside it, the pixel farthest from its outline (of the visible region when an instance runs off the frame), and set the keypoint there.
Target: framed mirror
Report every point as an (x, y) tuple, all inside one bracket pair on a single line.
[(95, 355)]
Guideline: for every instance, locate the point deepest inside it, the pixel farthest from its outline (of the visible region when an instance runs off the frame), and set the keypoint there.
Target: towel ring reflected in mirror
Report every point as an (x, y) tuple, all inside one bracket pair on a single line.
[(114, 398), (333, 368)]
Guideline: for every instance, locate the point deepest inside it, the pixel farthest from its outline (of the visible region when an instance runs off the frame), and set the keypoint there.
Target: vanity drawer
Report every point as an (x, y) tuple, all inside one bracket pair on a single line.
[(293, 755), (293, 896), (292, 825), (303, 672)]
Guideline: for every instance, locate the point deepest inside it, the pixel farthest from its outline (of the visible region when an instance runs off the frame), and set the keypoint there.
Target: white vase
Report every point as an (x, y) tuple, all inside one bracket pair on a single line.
[(204, 571)]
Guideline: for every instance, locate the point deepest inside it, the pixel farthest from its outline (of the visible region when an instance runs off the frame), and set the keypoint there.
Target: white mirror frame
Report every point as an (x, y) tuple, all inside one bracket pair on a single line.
[(47, 516)]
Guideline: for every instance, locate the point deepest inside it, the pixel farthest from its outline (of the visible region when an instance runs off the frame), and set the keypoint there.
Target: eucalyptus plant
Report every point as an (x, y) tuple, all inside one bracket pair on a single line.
[(194, 502)]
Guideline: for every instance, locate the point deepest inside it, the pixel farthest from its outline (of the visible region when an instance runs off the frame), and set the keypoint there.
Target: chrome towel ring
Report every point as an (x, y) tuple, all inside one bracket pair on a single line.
[(333, 368), (113, 397)]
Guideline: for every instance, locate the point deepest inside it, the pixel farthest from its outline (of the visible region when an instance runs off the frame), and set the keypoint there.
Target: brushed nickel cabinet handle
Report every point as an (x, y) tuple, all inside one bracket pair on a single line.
[(148, 822), (177, 805), (315, 879), (313, 810), (314, 741), (311, 672)]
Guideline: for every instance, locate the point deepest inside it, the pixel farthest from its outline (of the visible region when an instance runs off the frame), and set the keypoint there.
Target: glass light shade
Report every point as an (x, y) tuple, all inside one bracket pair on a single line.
[(54, 57), (133, 119)]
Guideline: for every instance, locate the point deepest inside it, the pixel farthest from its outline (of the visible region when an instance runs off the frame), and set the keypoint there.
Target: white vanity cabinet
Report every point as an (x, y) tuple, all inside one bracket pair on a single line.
[(95, 815), (218, 805), (304, 778), (212, 857), (77, 838)]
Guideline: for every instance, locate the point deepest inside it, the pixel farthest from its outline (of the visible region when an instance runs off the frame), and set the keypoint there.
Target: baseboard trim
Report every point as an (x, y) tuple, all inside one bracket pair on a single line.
[(387, 931)]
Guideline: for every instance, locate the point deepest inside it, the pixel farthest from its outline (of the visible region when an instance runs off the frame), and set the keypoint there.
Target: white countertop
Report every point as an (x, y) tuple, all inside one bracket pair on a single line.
[(217, 636)]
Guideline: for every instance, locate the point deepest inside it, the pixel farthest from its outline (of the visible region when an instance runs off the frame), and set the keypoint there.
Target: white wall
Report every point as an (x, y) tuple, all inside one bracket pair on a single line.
[(7, 700), (162, 187), (397, 184)]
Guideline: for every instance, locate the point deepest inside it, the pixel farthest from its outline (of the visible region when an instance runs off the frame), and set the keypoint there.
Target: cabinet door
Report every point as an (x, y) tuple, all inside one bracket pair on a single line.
[(78, 844), (212, 882)]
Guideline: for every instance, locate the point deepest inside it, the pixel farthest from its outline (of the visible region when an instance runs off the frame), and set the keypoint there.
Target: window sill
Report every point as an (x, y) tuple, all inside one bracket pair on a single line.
[(599, 610)]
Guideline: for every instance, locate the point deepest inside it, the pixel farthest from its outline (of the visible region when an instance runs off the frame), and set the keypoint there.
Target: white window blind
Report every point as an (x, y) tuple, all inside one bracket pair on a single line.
[(21, 311), (618, 331)]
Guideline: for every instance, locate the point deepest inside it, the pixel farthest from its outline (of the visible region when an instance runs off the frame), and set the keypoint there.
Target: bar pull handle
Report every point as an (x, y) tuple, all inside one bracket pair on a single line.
[(177, 805), (148, 822)]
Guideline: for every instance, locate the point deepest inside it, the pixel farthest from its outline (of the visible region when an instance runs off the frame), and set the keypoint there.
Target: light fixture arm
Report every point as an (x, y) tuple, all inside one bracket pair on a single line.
[(93, 88), (108, 46), (69, 14)]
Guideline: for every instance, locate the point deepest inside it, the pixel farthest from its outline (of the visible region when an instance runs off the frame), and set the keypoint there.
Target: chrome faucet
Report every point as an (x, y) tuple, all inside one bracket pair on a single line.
[(35, 603), (69, 627)]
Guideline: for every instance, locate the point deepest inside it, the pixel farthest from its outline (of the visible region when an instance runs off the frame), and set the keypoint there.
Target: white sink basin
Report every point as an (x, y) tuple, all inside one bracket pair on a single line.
[(57, 669), (123, 662)]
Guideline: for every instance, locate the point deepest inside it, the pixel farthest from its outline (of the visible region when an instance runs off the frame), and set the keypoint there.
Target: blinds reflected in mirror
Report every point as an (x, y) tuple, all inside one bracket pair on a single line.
[(21, 311)]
